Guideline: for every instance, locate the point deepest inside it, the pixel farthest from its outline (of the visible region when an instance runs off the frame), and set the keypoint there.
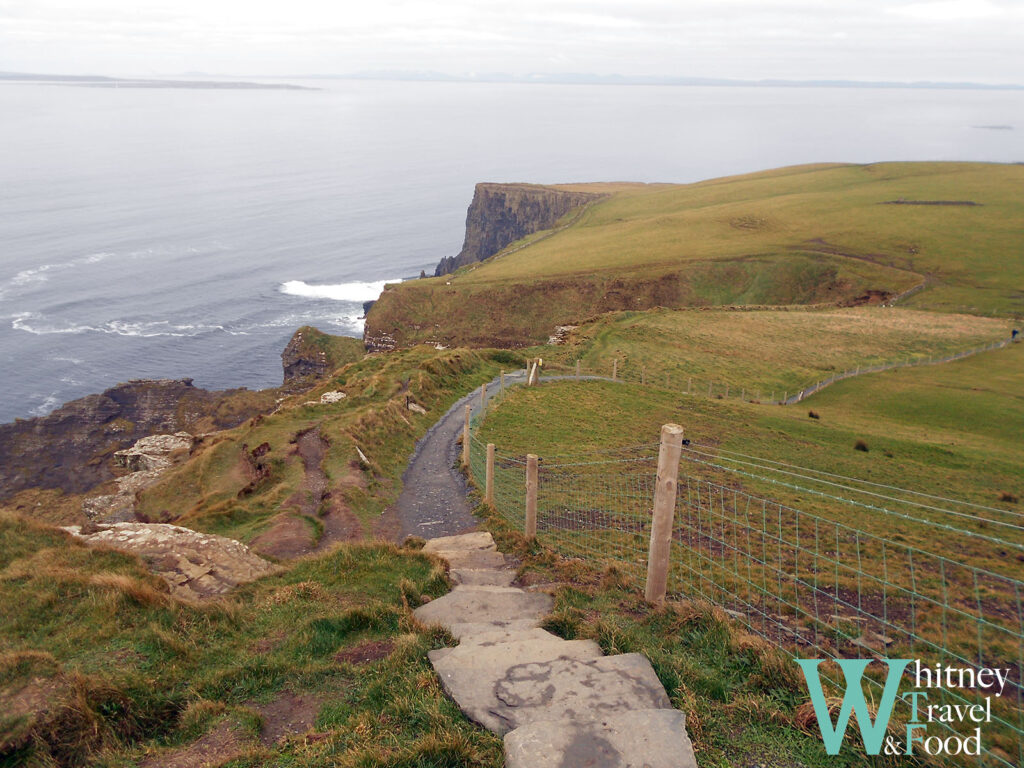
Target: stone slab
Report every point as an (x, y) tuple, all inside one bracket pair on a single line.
[(498, 577), (479, 540), (653, 738), (484, 605), (464, 631), (497, 656), (473, 559), (504, 698), (492, 635)]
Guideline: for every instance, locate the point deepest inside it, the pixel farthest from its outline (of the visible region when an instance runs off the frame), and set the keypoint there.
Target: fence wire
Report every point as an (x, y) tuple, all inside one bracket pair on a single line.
[(810, 584), (630, 372)]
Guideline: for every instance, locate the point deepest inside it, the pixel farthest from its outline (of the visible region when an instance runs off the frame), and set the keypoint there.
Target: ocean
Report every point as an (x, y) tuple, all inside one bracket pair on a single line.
[(158, 233)]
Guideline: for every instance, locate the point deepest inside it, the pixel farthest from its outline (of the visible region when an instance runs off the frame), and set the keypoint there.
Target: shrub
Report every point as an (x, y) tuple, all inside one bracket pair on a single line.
[(860, 445)]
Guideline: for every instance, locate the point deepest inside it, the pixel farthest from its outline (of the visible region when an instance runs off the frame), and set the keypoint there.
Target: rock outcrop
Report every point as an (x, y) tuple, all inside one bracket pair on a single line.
[(312, 354), (72, 448), (503, 213), (193, 564)]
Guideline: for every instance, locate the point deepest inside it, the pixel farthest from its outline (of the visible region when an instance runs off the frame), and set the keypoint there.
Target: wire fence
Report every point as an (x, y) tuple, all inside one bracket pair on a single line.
[(804, 579), (636, 373)]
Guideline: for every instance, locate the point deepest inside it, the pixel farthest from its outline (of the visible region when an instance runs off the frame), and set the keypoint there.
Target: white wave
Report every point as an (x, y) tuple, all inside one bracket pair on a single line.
[(33, 323), (40, 274), (337, 291), (46, 406)]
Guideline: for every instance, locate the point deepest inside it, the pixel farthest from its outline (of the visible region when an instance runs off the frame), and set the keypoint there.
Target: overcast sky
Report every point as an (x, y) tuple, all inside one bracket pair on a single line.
[(975, 40)]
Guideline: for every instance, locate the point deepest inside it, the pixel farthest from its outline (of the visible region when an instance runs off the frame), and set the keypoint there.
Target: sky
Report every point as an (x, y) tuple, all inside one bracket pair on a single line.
[(895, 40)]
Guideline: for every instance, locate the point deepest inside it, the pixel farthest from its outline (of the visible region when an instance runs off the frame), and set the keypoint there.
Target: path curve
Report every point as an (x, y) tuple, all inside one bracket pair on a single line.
[(433, 501)]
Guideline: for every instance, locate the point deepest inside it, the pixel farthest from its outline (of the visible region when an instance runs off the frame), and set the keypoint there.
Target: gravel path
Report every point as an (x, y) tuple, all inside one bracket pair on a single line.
[(433, 501)]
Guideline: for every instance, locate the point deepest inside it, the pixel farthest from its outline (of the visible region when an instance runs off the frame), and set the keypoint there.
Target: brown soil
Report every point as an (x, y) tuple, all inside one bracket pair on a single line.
[(366, 652), (288, 715), (218, 746), (290, 536)]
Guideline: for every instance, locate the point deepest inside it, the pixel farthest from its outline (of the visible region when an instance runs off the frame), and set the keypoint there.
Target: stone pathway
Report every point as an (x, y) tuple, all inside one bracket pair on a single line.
[(558, 703)]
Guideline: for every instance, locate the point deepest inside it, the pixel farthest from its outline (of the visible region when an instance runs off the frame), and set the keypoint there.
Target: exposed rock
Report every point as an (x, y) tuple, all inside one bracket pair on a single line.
[(312, 354), (503, 213), (332, 397), (193, 564), (154, 452), (71, 449), (147, 460)]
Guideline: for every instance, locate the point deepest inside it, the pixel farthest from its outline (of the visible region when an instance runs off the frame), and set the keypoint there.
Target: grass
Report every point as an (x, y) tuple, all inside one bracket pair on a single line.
[(204, 493), (763, 351), (127, 669), (744, 701), (802, 235), (922, 577), (952, 430)]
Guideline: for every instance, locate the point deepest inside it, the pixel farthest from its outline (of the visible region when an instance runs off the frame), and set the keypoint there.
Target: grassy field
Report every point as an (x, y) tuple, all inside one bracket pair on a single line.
[(100, 666), (950, 430), (823, 563), (763, 351), (212, 492), (803, 235)]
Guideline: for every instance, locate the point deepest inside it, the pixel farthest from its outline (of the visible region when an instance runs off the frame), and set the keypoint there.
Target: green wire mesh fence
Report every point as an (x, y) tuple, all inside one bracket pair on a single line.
[(811, 583)]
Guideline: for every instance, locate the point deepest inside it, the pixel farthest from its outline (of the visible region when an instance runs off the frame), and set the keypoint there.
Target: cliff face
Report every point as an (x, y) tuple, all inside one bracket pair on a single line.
[(312, 354), (72, 448), (502, 213)]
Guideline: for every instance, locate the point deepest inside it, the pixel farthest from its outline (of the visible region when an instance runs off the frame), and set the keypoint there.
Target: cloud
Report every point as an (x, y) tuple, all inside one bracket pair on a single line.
[(878, 39)]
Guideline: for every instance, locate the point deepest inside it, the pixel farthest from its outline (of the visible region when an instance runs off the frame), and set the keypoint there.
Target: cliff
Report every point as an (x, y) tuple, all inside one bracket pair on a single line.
[(503, 213), (73, 447), (312, 354)]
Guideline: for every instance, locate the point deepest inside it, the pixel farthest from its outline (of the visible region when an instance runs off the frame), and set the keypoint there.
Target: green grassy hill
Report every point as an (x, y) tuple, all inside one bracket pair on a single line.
[(834, 234)]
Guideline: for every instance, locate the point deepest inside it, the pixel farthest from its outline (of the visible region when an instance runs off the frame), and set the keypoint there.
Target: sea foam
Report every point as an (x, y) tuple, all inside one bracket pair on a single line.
[(336, 292)]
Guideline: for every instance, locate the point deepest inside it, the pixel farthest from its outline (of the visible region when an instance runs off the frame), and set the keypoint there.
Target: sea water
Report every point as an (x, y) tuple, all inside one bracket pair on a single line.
[(170, 233)]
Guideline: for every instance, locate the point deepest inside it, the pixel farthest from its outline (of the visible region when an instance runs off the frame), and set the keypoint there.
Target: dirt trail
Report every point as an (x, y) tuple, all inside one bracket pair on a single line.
[(293, 533)]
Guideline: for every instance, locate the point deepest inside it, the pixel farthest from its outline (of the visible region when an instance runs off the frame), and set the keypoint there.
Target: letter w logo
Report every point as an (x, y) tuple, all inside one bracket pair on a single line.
[(853, 701)]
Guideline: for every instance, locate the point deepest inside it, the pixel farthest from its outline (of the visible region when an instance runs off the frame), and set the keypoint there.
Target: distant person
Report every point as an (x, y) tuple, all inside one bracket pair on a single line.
[(1013, 336)]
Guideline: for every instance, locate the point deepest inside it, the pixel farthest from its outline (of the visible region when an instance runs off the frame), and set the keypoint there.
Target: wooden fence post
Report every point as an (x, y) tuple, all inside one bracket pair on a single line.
[(711, 384), (483, 397), (489, 475), (577, 370), (465, 438), (615, 368), (689, 384), (531, 496), (501, 386), (664, 512)]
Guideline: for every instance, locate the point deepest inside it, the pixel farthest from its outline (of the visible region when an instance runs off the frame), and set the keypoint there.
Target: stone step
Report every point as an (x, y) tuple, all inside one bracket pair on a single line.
[(497, 577), (467, 631), (491, 636), (486, 605), (652, 738), (479, 540), (511, 653), (473, 559), (502, 698)]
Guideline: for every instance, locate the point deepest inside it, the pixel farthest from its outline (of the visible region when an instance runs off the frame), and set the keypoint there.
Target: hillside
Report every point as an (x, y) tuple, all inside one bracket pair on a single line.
[(828, 234)]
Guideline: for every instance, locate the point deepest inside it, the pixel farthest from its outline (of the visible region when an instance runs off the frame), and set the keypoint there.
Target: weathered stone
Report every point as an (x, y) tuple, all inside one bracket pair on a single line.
[(154, 452), (481, 540), (487, 655), (485, 606), (474, 559), (652, 738), (193, 564), (502, 698), (497, 577)]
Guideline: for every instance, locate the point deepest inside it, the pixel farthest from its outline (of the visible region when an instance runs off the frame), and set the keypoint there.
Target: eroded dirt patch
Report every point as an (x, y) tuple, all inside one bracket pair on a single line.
[(366, 652), (289, 536), (218, 746), (288, 715)]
